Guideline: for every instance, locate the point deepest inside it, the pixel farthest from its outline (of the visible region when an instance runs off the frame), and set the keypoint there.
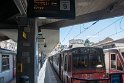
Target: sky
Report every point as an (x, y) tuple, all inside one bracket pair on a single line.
[(112, 27)]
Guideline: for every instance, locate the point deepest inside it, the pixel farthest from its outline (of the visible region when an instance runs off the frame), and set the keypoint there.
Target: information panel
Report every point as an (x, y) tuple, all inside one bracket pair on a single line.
[(51, 8), (115, 78)]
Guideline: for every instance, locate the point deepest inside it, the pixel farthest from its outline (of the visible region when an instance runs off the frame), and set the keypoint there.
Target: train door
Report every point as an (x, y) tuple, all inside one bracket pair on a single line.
[(65, 69), (119, 64), (60, 61), (115, 61)]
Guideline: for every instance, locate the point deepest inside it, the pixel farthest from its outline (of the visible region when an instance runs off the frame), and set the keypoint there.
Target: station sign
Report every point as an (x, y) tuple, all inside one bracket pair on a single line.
[(116, 78), (51, 8)]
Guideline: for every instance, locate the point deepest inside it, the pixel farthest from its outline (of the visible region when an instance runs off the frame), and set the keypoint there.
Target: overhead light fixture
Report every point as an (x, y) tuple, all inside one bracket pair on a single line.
[(39, 33), (45, 45), (42, 18)]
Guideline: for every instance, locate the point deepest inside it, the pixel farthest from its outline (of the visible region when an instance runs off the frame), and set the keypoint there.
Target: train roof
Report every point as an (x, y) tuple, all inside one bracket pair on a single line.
[(114, 48), (77, 48), (85, 47), (3, 50)]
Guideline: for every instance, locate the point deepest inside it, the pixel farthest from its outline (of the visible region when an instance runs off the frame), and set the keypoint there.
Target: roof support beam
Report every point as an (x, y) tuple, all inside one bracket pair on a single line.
[(22, 6), (8, 26), (109, 12)]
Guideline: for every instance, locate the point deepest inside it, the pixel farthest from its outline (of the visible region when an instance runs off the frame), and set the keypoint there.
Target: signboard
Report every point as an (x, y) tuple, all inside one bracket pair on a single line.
[(116, 78), (51, 8)]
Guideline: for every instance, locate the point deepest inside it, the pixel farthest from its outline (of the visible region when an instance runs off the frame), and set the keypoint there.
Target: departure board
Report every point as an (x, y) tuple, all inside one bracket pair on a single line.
[(51, 8)]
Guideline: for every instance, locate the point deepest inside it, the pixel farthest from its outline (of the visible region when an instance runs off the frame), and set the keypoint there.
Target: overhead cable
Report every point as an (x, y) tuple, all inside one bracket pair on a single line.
[(108, 26), (67, 34)]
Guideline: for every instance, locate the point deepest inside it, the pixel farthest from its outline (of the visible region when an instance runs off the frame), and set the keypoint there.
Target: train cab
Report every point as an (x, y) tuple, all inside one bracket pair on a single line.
[(84, 64), (80, 65)]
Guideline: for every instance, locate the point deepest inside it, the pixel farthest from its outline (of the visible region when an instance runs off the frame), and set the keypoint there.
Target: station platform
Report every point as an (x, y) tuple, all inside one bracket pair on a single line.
[(47, 74), (13, 81)]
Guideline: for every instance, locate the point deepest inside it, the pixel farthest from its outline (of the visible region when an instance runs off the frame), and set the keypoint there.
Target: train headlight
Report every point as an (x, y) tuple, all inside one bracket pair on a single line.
[(99, 66)]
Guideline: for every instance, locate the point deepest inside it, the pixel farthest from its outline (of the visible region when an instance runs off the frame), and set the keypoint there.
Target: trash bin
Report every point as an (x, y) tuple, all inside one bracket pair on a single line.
[(24, 79)]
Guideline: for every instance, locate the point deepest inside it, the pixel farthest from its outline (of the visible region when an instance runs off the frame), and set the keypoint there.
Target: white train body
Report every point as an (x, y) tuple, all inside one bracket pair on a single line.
[(114, 60), (6, 65)]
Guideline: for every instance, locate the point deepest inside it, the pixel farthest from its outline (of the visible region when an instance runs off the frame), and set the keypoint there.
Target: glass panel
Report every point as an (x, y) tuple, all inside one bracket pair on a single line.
[(113, 61), (113, 57), (122, 54), (5, 62), (88, 61), (94, 61), (65, 64), (80, 62)]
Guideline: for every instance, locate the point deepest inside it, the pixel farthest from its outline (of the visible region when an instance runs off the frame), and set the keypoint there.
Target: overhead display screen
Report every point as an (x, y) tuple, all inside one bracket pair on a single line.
[(51, 8)]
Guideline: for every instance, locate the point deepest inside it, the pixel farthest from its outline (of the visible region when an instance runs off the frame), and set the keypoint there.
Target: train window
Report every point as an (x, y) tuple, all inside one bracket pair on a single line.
[(69, 62), (122, 54), (65, 63), (80, 62), (113, 57), (5, 62), (86, 61), (119, 66), (94, 60), (113, 61)]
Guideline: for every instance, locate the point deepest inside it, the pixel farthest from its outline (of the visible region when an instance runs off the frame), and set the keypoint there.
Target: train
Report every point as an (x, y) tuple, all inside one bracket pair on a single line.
[(80, 65), (7, 65), (114, 59)]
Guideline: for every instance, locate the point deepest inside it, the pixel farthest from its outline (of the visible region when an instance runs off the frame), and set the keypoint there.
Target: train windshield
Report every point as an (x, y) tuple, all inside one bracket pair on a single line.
[(122, 54), (87, 61)]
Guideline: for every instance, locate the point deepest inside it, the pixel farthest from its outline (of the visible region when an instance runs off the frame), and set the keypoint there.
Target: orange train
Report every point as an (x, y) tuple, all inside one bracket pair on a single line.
[(80, 65)]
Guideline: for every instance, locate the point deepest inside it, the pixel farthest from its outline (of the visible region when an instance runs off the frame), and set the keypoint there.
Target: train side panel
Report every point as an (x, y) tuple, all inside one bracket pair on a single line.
[(7, 74), (56, 63), (114, 61)]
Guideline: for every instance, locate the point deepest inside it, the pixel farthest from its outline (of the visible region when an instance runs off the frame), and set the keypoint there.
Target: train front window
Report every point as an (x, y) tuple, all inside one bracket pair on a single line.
[(122, 54), (80, 62), (86, 61), (94, 61)]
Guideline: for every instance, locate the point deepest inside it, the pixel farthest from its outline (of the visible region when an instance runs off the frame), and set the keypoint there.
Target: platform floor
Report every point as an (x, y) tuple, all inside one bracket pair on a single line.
[(48, 75), (13, 81)]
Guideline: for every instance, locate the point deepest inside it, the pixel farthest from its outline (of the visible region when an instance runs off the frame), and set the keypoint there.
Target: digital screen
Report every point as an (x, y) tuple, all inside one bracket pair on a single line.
[(46, 5), (51, 8), (116, 78)]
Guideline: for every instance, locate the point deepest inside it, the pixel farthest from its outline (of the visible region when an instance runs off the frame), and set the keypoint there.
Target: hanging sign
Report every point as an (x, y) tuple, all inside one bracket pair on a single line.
[(51, 8)]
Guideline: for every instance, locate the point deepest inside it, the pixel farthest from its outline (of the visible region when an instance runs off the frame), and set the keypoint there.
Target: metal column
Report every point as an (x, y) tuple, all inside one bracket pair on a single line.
[(27, 61)]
